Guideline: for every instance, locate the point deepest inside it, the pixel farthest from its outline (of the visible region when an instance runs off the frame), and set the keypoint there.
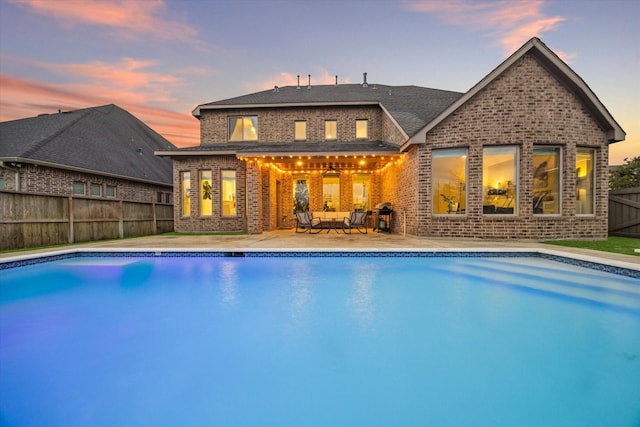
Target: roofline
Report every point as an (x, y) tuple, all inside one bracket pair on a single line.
[(248, 153), (615, 134), (197, 111), (395, 123), (83, 170)]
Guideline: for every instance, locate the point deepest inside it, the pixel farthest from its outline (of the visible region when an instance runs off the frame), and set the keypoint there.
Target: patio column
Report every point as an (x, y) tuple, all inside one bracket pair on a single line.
[(253, 186)]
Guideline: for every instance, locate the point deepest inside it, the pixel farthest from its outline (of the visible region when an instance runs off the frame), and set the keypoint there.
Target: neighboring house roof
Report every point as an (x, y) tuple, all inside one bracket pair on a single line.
[(104, 140), (557, 67), (410, 107)]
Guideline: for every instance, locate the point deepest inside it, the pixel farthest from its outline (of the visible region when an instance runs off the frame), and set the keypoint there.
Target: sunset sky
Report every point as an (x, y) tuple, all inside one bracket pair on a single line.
[(158, 59)]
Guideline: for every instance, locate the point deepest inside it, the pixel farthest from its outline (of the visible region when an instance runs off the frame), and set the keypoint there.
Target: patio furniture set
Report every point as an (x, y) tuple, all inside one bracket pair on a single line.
[(318, 221)]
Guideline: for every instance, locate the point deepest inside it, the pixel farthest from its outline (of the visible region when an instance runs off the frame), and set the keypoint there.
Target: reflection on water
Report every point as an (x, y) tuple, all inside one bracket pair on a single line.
[(229, 282), (361, 302), (301, 290)]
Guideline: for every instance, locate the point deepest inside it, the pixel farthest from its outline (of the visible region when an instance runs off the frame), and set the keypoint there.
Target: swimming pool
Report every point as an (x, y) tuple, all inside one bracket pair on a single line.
[(352, 340)]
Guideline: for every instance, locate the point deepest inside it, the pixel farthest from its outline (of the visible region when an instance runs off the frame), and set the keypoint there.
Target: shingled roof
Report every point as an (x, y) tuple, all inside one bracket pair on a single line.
[(412, 107), (105, 140)]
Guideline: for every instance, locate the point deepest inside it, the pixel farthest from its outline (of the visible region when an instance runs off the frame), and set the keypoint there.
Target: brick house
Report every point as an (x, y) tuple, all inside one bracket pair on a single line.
[(522, 155), (101, 153)]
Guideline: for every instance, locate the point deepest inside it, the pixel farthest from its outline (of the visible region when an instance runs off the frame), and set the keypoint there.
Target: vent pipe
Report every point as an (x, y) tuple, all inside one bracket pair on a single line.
[(309, 87), (298, 82), (336, 80), (364, 83)]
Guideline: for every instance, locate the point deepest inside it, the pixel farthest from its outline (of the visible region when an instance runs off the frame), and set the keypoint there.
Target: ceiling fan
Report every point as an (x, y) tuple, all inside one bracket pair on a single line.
[(331, 170)]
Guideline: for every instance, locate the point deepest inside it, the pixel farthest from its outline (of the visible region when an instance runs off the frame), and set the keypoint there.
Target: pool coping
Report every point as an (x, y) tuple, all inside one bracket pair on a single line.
[(607, 265)]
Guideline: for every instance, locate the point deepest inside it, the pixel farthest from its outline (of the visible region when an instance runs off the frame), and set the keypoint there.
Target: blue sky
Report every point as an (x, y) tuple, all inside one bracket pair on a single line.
[(160, 58)]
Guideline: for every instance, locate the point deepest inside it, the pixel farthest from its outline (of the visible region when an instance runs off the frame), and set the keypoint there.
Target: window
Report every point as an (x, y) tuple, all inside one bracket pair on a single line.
[(243, 128), (585, 180), (449, 181), (229, 193), (300, 129), (79, 188), (330, 129), (185, 193), (499, 183), (362, 129), (167, 197), (96, 190), (361, 189), (206, 192), (1, 182), (159, 197), (546, 180), (110, 191), (331, 193), (300, 193)]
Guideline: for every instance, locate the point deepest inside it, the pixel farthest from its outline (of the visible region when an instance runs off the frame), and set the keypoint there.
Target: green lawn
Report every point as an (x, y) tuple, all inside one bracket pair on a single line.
[(620, 245)]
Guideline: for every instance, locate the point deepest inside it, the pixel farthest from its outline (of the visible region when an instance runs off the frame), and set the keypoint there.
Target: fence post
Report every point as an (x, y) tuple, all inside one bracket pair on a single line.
[(70, 208), (121, 219), (155, 218)]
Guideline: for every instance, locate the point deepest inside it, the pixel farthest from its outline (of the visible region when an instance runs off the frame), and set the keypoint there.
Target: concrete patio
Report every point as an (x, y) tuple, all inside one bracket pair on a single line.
[(288, 240)]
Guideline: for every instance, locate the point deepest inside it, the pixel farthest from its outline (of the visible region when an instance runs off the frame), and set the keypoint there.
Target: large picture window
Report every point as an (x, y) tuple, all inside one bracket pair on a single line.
[(300, 193), (546, 180), (206, 193), (449, 181), (499, 180), (243, 128), (185, 193), (361, 191), (585, 181), (229, 193)]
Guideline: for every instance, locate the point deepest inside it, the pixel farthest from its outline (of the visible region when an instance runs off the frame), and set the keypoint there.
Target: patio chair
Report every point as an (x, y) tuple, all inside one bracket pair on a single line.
[(357, 220), (305, 222)]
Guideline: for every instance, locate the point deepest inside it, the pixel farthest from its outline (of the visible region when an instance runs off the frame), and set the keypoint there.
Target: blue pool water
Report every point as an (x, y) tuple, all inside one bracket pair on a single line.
[(221, 341)]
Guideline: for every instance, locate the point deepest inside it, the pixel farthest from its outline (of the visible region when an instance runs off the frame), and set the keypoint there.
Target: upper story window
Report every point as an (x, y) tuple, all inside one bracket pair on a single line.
[(362, 129), (300, 130), (243, 128), (330, 129)]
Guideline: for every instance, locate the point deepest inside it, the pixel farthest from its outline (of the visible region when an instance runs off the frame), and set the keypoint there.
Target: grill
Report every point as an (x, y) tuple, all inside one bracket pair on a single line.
[(383, 217)]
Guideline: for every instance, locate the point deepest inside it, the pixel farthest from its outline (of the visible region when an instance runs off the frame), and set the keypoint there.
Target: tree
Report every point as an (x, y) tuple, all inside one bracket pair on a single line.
[(625, 176)]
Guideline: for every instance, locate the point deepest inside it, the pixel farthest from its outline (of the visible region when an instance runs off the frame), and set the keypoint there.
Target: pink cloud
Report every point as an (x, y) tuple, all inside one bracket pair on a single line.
[(512, 22), (134, 16), (27, 98)]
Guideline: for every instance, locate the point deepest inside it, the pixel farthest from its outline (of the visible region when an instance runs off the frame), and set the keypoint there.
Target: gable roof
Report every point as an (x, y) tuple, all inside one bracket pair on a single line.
[(410, 107), (557, 67), (105, 140)]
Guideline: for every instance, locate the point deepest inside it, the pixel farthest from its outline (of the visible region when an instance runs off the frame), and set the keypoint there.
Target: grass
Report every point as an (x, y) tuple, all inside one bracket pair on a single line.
[(619, 245)]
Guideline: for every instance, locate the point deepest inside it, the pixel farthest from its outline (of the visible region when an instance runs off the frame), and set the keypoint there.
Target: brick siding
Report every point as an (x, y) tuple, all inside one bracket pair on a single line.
[(525, 106)]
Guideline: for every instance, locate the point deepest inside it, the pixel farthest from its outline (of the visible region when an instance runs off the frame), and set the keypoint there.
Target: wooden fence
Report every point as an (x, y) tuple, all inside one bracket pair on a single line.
[(624, 212), (31, 220)]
